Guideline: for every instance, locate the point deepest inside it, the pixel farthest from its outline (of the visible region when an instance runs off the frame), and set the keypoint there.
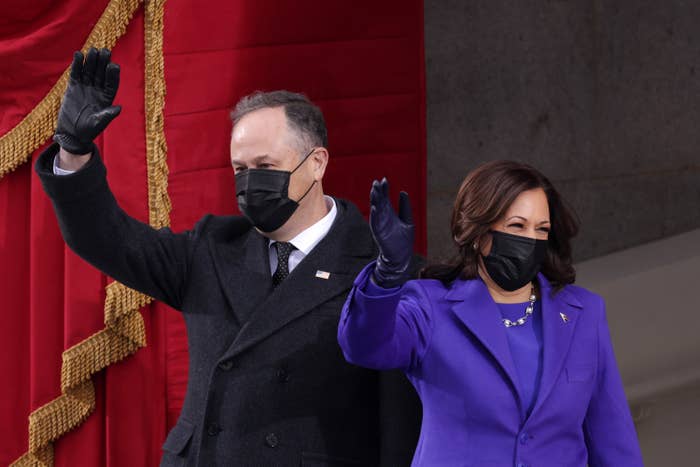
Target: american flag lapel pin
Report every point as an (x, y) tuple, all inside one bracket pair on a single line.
[(564, 317), (323, 274)]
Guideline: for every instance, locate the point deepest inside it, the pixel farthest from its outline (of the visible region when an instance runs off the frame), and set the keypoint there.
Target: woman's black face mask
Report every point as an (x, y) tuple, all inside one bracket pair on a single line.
[(514, 260), (263, 196)]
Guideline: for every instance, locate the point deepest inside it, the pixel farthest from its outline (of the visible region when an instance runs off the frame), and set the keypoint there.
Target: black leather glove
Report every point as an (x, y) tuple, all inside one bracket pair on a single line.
[(87, 107), (393, 234)]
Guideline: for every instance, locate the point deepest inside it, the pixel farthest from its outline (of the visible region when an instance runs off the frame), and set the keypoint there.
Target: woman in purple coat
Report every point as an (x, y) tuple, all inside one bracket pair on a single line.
[(513, 364)]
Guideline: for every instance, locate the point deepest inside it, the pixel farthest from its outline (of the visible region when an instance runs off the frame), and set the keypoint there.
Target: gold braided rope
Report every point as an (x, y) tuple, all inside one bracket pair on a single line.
[(156, 149), (124, 331), (18, 144)]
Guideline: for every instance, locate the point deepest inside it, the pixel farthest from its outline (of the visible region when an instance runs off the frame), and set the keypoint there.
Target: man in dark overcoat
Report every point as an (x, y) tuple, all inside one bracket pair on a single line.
[(261, 293)]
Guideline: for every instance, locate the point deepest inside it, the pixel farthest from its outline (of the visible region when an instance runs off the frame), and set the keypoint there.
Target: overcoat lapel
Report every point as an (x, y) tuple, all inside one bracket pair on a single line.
[(477, 310), (557, 334), (243, 269), (342, 252)]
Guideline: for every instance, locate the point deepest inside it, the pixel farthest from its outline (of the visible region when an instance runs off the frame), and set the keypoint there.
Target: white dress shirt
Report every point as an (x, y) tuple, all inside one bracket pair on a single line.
[(59, 171), (307, 239), (303, 243)]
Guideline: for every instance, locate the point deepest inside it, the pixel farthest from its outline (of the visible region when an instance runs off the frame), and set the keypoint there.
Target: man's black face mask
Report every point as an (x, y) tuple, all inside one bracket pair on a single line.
[(263, 196), (514, 260)]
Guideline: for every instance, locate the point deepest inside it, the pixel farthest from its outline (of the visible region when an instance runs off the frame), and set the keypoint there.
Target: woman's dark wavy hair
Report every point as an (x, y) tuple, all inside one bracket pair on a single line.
[(483, 199)]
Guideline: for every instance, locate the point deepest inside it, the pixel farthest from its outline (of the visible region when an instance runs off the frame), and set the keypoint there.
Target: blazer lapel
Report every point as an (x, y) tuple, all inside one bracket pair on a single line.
[(243, 268), (341, 253), (559, 318), (477, 310)]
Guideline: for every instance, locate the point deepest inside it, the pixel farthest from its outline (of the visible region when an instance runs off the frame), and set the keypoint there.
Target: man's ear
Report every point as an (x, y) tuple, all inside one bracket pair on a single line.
[(319, 161)]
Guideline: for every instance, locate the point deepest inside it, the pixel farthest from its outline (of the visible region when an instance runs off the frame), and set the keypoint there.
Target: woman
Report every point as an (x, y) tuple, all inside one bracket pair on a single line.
[(513, 364)]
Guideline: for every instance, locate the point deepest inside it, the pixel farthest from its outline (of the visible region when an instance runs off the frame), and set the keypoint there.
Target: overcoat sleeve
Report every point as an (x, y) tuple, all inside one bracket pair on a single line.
[(610, 435), (388, 330), (95, 227)]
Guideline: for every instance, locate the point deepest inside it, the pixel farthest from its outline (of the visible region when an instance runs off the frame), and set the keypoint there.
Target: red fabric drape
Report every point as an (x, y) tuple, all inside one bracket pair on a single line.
[(361, 61)]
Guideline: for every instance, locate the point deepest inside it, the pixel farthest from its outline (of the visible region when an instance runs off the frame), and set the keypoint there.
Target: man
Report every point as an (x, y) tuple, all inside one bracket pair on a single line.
[(261, 294)]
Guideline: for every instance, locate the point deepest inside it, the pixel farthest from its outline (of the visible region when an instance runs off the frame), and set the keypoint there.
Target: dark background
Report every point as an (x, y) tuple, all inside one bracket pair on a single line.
[(601, 95)]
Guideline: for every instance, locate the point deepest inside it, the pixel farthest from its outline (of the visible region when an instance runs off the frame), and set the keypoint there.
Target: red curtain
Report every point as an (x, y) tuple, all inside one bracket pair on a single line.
[(362, 62)]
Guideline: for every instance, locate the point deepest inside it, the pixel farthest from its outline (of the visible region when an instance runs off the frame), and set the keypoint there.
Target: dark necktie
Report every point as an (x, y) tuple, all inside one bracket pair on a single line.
[(284, 249)]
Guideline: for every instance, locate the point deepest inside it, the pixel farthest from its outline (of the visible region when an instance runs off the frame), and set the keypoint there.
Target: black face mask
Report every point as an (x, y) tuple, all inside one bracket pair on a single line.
[(262, 196), (514, 260)]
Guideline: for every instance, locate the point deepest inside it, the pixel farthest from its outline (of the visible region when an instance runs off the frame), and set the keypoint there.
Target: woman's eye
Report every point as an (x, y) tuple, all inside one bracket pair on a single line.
[(544, 229), (517, 225)]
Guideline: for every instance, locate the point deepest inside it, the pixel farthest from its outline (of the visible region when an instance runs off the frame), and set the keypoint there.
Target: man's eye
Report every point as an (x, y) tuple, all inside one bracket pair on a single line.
[(238, 169), (264, 166)]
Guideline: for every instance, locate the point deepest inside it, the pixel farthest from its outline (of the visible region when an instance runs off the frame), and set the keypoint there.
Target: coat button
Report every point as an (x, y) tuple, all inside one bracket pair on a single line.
[(213, 429), (271, 440), (524, 438), (282, 375), (226, 365)]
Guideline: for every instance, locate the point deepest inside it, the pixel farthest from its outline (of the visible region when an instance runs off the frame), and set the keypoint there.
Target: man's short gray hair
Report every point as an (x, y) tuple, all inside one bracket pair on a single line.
[(303, 117)]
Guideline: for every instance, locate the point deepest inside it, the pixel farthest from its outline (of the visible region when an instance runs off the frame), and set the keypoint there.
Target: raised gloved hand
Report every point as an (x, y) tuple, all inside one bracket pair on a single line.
[(86, 108), (393, 234)]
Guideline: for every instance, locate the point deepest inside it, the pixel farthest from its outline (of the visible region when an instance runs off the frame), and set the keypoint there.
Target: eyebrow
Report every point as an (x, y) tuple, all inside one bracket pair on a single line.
[(521, 217)]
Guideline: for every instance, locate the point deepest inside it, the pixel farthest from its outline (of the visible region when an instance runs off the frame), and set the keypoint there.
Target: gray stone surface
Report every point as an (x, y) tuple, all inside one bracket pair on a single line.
[(655, 339), (603, 96)]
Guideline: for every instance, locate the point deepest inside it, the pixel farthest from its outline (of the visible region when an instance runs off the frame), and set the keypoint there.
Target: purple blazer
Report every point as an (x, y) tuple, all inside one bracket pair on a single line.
[(453, 347)]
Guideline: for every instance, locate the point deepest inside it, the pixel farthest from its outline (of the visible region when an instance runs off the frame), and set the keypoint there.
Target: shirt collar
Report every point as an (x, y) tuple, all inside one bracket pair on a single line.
[(309, 238)]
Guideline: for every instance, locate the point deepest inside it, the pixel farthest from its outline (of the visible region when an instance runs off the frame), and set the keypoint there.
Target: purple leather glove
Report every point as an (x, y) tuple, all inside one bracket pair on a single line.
[(393, 235)]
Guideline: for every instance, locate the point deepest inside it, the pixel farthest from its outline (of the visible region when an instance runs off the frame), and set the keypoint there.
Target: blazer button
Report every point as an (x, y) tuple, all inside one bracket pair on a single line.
[(271, 440), (524, 438), (213, 429), (226, 365), (282, 375)]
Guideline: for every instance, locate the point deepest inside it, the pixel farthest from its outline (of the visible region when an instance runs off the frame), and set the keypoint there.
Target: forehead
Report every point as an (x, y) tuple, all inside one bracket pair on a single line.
[(530, 204), (262, 131)]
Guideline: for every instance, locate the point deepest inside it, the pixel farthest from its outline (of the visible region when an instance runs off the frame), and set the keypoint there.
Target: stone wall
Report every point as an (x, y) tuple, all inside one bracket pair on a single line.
[(603, 96)]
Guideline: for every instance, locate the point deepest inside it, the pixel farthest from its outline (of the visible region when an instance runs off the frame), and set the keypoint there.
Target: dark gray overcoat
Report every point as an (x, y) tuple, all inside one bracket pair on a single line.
[(268, 385)]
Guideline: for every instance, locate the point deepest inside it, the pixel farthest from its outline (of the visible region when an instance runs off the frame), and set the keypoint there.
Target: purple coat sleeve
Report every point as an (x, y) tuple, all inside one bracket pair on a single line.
[(385, 328), (608, 427)]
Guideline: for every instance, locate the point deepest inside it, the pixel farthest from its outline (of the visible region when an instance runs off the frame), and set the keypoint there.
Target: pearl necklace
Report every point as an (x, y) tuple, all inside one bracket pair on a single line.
[(528, 312)]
